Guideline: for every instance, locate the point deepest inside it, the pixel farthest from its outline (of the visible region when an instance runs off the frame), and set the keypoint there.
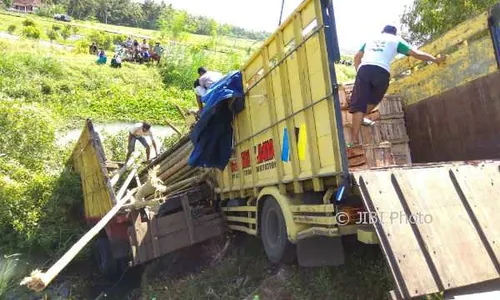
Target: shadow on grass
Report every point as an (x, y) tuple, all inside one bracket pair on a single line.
[(244, 272)]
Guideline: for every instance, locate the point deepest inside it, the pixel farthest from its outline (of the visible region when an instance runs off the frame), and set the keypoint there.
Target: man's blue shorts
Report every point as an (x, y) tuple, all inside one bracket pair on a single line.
[(370, 87)]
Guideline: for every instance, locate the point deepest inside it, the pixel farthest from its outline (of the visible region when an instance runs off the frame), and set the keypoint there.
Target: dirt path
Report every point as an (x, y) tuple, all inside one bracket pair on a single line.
[(8, 36)]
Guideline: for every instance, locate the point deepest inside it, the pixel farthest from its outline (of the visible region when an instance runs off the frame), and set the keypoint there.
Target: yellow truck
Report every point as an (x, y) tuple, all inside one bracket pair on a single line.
[(289, 180)]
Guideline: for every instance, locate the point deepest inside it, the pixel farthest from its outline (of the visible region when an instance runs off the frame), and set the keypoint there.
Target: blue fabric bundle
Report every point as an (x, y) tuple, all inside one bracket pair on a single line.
[(213, 134)]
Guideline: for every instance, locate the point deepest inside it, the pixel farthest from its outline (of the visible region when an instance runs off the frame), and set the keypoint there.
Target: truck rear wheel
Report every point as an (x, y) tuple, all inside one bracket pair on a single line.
[(274, 234)]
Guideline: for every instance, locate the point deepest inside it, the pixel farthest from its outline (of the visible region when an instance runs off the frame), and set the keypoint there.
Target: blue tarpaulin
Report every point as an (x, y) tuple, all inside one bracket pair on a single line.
[(212, 136)]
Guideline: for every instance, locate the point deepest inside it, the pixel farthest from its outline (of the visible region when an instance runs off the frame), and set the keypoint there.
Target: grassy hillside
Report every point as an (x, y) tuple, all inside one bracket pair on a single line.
[(83, 28)]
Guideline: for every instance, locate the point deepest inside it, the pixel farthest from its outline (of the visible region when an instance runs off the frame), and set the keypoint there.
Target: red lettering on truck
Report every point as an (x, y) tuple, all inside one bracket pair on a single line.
[(245, 159), (265, 151)]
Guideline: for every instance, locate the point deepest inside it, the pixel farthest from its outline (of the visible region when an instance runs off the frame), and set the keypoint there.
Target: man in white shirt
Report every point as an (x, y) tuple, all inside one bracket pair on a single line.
[(372, 63), (139, 132), (204, 82), (207, 78), (200, 92)]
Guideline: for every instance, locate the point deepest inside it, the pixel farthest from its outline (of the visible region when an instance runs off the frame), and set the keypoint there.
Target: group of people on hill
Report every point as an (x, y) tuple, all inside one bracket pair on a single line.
[(141, 52), (129, 51), (116, 61)]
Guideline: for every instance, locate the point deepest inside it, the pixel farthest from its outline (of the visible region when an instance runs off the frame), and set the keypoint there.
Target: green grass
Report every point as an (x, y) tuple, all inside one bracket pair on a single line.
[(75, 88), (86, 27), (245, 272)]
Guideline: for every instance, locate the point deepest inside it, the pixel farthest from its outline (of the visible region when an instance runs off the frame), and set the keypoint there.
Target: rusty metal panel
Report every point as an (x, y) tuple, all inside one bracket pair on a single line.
[(460, 124), (436, 223)]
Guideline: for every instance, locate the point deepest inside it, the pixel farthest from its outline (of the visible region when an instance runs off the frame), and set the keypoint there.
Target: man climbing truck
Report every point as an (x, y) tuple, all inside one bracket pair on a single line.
[(372, 63)]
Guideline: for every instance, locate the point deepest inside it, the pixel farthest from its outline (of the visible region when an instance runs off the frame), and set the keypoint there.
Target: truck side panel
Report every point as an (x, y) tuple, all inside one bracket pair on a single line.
[(287, 132), (89, 162)]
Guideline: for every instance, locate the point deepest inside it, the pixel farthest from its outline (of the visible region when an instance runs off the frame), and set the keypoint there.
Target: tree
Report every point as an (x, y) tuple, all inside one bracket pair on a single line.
[(52, 35), (428, 19), (7, 3), (66, 32)]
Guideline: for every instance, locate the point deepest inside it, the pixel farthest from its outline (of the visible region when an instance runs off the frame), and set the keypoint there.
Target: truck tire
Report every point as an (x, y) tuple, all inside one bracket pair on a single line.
[(106, 264), (274, 234)]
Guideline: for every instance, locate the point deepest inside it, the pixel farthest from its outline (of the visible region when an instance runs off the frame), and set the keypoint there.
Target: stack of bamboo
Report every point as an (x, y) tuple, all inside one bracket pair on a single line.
[(383, 144), (169, 174)]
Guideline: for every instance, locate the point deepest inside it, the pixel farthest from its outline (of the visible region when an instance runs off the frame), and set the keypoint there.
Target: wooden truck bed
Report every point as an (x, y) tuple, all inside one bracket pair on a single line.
[(436, 223)]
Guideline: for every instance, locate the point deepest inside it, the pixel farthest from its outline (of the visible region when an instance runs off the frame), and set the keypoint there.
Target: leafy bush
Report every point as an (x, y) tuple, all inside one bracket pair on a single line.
[(49, 10), (30, 135), (115, 145), (11, 271), (169, 141), (28, 22), (52, 35), (56, 27), (102, 39), (11, 28), (66, 32), (31, 32)]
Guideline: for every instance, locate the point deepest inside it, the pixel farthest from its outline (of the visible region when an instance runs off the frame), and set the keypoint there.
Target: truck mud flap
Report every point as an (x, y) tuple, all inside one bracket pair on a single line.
[(437, 224), (320, 251)]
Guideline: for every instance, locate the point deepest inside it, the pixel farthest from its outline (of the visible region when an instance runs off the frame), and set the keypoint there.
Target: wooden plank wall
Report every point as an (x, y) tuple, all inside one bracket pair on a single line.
[(452, 111), (436, 224), (460, 124)]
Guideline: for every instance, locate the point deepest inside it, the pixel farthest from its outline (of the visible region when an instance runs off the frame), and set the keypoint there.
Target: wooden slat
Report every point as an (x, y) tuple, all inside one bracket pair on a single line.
[(449, 242), (329, 88), (187, 215), (464, 65), (403, 252), (480, 186), (455, 36), (305, 88), (171, 223), (450, 237), (154, 237), (273, 115), (290, 123), (253, 159)]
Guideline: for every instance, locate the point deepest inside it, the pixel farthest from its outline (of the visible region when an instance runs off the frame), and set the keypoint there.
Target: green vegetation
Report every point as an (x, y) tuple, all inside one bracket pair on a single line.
[(244, 273), (46, 89), (148, 15), (428, 19), (76, 88)]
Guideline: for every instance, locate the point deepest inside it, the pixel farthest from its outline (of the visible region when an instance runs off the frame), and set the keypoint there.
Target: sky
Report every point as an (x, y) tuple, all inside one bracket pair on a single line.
[(356, 20)]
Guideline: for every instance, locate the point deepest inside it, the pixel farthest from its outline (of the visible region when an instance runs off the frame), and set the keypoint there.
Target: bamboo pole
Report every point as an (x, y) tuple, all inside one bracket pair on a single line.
[(38, 281), (169, 190), (173, 127), (170, 161), (123, 169), (179, 165)]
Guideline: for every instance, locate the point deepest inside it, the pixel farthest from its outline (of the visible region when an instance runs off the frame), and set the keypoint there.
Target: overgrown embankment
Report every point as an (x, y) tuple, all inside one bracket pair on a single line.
[(45, 90)]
